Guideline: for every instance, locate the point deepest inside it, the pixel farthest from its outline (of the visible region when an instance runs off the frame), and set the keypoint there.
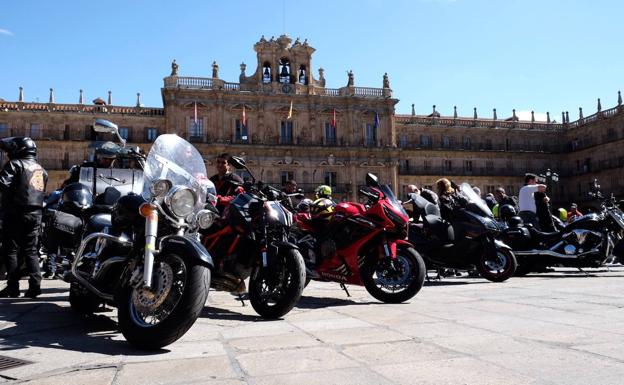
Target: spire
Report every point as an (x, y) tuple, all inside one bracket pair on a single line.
[(413, 110), (495, 117), (138, 103), (532, 117), (81, 98), (475, 112), (513, 115), (21, 95), (110, 98), (599, 106), (619, 98), (434, 111), (580, 113), (51, 100), (563, 117), (567, 117), (454, 112), (547, 117)]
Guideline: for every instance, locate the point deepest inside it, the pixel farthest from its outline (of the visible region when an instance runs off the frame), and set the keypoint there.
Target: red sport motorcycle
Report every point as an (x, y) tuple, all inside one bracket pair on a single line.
[(363, 245)]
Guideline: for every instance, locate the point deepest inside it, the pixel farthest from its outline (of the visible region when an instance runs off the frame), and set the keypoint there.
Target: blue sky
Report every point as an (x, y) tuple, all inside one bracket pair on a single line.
[(530, 55)]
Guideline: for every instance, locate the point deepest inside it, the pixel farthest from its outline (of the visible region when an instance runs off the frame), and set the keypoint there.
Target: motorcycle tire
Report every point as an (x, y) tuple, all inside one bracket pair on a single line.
[(505, 265), (293, 273), (81, 300), (143, 334), (406, 257)]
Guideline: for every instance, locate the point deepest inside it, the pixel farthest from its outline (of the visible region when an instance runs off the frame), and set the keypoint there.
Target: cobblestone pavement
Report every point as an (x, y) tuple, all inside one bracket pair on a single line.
[(554, 328)]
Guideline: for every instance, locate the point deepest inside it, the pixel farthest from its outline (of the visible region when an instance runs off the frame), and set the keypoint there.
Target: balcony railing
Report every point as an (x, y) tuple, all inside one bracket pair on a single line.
[(81, 108), (459, 170)]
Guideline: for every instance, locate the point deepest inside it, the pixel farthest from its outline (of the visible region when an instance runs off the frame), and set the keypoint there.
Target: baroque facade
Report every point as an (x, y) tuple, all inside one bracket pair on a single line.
[(288, 125)]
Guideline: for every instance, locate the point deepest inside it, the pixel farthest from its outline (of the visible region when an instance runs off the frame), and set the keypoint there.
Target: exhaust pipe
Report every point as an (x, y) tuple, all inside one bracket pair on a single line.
[(550, 253)]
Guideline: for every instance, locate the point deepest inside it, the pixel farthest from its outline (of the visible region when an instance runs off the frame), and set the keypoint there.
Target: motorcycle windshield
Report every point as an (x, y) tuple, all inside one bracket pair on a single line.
[(174, 159), (387, 191), (472, 197)]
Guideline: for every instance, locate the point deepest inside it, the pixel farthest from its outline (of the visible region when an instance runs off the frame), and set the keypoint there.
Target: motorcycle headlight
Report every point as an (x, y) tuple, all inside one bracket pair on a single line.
[(205, 219), (160, 187), (181, 201)]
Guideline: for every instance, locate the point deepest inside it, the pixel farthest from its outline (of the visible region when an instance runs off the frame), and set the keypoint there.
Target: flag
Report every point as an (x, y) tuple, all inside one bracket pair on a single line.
[(333, 122), (244, 120), (195, 118), (290, 111), (376, 122)]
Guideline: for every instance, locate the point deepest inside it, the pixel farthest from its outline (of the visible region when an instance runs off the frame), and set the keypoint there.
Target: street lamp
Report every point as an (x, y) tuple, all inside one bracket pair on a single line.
[(550, 177)]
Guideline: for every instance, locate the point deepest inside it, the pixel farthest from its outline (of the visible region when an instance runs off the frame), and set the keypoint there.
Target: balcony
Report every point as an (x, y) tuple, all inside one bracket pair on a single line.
[(460, 171)]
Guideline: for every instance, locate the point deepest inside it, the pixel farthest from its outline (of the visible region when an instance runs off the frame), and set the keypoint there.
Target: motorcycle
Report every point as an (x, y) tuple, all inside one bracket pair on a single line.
[(589, 241), (467, 242), (148, 262), (250, 240), (363, 245)]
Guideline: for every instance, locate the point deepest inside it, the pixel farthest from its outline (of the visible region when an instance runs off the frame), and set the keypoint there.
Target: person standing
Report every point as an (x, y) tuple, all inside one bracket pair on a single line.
[(574, 213), (526, 200), (22, 183)]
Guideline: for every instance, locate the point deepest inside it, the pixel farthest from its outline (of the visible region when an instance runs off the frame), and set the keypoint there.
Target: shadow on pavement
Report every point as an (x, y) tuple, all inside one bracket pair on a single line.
[(321, 302), (38, 323), (224, 314)]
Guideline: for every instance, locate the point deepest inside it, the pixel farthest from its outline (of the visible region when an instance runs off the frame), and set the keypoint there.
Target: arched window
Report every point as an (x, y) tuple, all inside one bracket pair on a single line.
[(284, 70), (303, 78), (266, 73)]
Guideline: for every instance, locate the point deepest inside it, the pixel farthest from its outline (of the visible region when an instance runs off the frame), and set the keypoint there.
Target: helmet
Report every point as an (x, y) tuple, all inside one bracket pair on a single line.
[(506, 212), (304, 205), (323, 191), (322, 208), (515, 222), (18, 147), (563, 214)]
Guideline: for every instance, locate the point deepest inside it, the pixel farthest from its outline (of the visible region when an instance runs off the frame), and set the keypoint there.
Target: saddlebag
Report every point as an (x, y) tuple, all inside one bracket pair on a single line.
[(63, 229)]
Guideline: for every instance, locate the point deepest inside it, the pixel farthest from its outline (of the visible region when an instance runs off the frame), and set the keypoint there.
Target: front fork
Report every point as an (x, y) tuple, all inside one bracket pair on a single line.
[(151, 232)]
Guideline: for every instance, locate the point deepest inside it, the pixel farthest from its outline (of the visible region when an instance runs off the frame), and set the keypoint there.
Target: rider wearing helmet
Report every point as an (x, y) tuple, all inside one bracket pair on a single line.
[(105, 156), (322, 208), (22, 184)]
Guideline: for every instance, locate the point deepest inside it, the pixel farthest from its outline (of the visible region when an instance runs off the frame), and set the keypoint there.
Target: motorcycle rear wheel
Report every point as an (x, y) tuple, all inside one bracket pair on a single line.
[(385, 285), (497, 268), (180, 290), (275, 290)]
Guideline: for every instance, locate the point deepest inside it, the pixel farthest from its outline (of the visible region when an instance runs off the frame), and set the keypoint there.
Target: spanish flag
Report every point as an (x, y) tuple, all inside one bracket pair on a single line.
[(290, 111)]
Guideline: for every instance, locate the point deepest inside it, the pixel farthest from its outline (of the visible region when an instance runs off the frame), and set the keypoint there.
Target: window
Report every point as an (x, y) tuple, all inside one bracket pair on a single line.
[(467, 143), (403, 141), (587, 165), (4, 129), (266, 73), (509, 165), (489, 165), (330, 134), (509, 190), (284, 70), (124, 132), (488, 144), (427, 164), (151, 134), (330, 178), (448, 165), (286, 176), (90, 134), (67, 132), (446, 142), (35, 130), (405, 164), (241, 134), (425, 141), (468, 165), (196, 129), (371, 135), (489, 189), (507, 144), (286, 132)]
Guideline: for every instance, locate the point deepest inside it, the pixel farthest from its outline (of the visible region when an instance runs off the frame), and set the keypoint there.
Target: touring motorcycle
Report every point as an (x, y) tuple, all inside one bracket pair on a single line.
[(250, 240), (589, 241), (468, 241), (149, 262), (363, 245)]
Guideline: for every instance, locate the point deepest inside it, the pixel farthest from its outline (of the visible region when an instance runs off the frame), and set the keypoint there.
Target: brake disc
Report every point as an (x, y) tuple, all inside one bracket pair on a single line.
[(147, 300)]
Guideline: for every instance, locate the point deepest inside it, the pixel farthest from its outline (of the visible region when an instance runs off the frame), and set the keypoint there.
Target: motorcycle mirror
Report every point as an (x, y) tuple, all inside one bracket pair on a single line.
[(103, 125), (372, 180), (237, 162)]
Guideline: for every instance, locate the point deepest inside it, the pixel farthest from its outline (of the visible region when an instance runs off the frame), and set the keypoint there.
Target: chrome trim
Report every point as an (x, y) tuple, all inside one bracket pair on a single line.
[(550, 253)]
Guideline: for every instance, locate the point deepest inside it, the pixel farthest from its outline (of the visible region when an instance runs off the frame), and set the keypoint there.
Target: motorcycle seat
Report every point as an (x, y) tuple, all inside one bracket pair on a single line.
[(440, 228), (98, 222), (543, 235)]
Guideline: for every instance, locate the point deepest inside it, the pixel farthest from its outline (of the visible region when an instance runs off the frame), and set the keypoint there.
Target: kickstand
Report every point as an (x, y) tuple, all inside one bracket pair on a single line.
[(240, 298), (342, 285), (439, 276), (583, 271)]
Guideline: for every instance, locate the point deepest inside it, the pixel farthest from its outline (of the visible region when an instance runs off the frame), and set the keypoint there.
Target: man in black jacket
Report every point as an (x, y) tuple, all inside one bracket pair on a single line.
[(22, 183)]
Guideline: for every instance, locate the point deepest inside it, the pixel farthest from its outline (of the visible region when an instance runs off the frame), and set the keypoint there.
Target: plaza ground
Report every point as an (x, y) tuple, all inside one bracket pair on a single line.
[(555, 328)]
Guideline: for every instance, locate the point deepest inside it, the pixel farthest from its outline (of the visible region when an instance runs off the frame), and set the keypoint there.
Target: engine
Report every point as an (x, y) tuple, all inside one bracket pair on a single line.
[(580, 241)]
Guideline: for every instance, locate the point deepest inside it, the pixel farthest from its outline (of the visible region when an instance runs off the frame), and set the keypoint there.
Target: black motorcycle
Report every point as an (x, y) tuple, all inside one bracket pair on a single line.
[(467, 242), (589, 241), (250, 240), (148, 262)]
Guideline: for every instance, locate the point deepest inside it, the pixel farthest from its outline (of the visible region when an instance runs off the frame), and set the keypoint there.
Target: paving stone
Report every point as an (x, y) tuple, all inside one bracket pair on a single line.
[(359, 376), (281, 341), (177, 371), (397, 352), (102, 376), (358, 335)]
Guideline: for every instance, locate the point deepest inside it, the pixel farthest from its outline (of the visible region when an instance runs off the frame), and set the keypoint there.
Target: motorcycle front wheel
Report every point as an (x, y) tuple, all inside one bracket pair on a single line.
[(158, 316), (394, 281), (497, 267), (274, 290)]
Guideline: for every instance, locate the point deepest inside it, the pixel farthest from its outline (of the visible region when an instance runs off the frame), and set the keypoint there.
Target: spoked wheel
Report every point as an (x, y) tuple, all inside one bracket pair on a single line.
[(497, 267), (154, 317), (276, 289), (394, 281)]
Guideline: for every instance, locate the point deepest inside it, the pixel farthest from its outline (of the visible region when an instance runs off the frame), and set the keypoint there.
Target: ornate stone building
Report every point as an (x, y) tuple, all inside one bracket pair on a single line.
[(289, 125)]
